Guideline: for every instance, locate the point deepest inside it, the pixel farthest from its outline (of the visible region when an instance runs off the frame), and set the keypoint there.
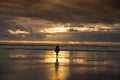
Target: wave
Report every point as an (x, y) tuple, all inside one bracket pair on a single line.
[(64, 47)]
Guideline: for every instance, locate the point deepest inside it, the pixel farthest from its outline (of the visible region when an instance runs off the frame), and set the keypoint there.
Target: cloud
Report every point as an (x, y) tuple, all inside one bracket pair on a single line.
[(84, 11), (86, 36), (89, 20), (72, 30), (100, 36), (30, 22), (18, 32), (22, 35)]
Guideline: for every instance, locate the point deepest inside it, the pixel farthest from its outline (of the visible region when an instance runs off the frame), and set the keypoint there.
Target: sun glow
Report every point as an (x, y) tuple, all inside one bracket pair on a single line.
[(57, 29)]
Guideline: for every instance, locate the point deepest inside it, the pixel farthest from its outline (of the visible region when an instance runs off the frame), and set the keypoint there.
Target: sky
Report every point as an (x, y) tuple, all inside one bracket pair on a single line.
[(68, 21)]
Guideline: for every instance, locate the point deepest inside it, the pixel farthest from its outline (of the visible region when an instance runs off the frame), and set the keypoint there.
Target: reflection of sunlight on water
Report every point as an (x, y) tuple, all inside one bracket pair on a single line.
[(78, 61), (68, 64), (57, 72), (63, 57), (17, 56)]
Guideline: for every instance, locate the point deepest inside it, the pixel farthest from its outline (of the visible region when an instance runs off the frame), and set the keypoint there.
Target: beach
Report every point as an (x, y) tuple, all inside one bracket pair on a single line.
[(59, 40), (20, 64)]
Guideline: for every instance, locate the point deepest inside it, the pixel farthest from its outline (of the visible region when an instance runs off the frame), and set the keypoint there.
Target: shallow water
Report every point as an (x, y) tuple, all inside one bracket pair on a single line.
[(70, 65)]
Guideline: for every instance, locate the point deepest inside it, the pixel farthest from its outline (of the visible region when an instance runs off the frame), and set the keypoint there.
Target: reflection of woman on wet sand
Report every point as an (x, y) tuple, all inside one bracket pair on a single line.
[(57, 49)]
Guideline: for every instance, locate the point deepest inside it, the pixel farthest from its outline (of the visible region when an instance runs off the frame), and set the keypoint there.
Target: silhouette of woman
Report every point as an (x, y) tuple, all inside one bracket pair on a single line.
[(57, 49)]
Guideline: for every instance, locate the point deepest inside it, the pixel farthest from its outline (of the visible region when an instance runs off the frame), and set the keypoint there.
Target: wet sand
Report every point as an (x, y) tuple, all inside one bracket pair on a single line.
[(70, 65)]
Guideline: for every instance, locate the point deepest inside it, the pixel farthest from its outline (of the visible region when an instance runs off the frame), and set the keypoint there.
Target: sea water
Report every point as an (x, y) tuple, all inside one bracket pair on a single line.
[(72, 47)]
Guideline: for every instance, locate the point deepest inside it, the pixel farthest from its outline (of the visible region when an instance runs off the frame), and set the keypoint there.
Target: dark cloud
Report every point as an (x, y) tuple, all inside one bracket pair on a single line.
[(6, 23), (87, 11), (72, 30), (88, 36), (98, 36)]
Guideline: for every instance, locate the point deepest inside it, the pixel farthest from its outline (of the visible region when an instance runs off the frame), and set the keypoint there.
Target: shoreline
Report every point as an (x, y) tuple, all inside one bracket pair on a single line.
[(61, 50)]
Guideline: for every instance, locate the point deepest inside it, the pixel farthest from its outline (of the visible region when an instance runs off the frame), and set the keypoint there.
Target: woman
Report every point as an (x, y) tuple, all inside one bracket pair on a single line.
[(57, 49)]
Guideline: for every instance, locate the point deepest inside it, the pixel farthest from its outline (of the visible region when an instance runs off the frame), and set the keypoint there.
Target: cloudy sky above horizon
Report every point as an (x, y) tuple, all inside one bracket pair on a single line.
[(60, 20)]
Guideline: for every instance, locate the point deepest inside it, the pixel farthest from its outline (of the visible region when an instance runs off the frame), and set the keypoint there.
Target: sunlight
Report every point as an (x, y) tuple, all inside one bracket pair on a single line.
[(56, 30)]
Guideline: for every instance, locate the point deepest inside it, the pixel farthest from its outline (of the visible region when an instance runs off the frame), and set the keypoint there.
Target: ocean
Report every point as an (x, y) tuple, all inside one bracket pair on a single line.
[(75, 62)]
